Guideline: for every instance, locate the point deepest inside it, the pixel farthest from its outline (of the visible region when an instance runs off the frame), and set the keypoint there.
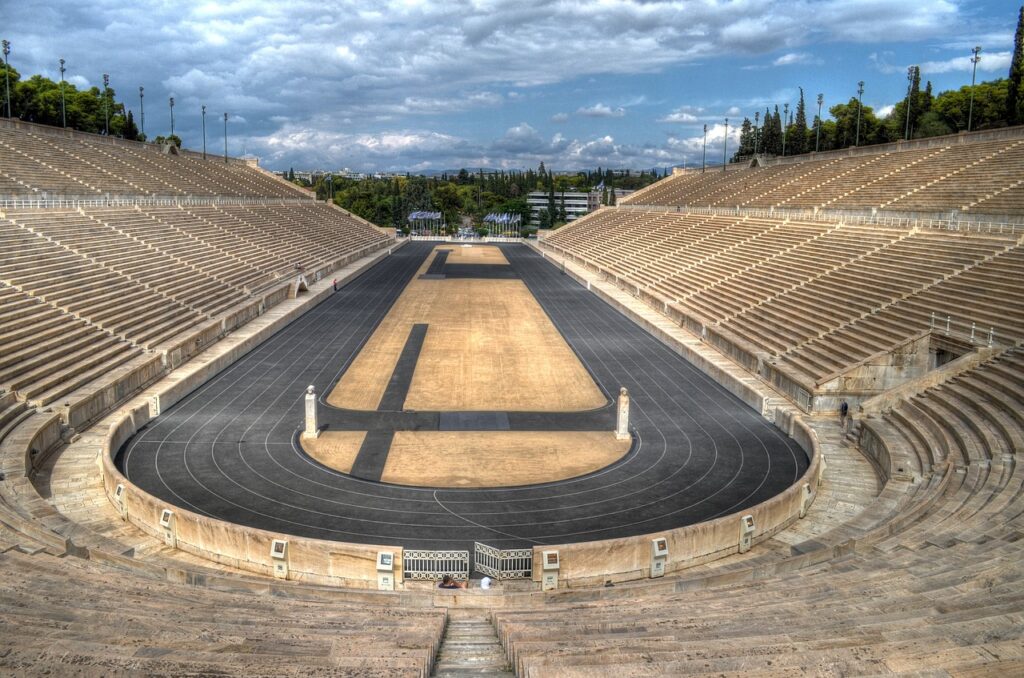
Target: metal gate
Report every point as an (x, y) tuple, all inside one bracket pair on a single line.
[(433, 565), (499, 564)]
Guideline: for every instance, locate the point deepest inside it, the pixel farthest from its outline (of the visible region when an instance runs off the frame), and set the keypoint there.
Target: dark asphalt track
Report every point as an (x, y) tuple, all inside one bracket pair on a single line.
[(228, 450)]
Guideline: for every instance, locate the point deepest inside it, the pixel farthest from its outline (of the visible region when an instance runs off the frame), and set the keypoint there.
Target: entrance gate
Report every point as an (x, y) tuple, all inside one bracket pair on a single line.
[(503, 564), (433, 565)]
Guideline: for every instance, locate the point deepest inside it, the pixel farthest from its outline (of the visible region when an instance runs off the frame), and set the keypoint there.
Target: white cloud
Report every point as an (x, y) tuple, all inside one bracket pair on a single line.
[(679, 116), (996, 61), (793, 58), (600, 110), (991, 62), (297, 71)]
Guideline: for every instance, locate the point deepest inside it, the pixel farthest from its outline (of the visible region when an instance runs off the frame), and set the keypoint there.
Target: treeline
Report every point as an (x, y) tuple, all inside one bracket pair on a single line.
[(464, 198), (38, 100), (921, 114)]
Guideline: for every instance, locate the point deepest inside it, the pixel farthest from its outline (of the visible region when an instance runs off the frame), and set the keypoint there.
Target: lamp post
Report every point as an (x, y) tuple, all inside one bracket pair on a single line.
[(63, 108), (910, 88), (725, 144), (225, 137), (860, 104), (785, 127), (204, 131), (7, 74), (974, 72), (330, 187), (172, 115), (106, 104), (704, 155), (142, 109), (817, 140), (757, 120)]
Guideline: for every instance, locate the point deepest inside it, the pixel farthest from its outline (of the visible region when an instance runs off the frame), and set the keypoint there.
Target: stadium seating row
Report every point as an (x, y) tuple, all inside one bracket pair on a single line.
[(964, 175), (933, 584), (83, 291), (818, 297), (37, 162)]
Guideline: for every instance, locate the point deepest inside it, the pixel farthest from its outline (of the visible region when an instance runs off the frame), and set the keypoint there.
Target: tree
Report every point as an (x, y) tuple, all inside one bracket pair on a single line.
[(796, 138), (746, 148), (1014, 94), (543, 219), (172, 139)]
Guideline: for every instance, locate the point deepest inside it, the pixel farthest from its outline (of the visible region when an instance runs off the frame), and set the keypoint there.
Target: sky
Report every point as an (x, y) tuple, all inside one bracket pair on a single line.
[(412, 85)]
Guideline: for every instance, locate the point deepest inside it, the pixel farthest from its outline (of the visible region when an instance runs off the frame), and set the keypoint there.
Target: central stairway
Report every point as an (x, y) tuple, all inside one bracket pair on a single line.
[(470, 647)]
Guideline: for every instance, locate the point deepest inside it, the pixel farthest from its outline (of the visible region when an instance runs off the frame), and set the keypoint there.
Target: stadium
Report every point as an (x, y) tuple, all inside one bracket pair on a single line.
[(757, 419)]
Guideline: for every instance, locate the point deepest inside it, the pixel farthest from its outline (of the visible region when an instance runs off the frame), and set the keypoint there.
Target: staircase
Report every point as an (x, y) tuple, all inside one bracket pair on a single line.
[(470, 647)]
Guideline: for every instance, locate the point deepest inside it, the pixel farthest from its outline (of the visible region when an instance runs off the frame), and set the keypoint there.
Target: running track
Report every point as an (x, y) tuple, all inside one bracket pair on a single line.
[(228, 450)]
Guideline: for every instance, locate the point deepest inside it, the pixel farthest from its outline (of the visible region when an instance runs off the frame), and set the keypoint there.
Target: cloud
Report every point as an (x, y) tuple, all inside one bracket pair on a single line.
[(601, 111), (793, 58), (679, 116), (996, 61), (991, 62), (389, 72)]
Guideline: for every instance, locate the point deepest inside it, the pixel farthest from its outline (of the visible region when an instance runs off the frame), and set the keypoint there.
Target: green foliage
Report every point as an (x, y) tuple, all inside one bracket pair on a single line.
[(1014, 106), (796, 135), (38, 100), (172, 139)]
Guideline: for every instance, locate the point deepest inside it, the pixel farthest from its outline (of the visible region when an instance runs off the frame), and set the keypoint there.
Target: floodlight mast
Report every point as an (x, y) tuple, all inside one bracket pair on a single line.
[(910, 88), (63, 108), (704, 155), (974, 72), (817, 141), (171, 102), (860, 105), (725, 144), (7, 74), (106, 104), (142, 110), (757, 122), (204, 131)]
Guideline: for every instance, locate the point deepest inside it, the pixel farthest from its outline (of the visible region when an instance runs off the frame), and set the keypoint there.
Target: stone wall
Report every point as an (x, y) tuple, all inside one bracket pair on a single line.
[(596, 562)]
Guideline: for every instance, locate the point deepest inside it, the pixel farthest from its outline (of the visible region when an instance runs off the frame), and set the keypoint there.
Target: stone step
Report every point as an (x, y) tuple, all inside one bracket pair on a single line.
[(470, 647)]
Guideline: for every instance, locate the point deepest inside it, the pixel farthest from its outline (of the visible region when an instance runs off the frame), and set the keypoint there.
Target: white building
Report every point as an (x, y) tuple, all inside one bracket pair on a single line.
[(577, 203)]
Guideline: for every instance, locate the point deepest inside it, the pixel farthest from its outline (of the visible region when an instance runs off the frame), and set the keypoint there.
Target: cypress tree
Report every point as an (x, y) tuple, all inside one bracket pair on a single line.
[(1014, 96), (798, 141)]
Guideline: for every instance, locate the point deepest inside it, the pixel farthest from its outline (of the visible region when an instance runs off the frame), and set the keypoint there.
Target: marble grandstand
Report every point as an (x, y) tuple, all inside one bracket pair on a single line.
[(850, 277)]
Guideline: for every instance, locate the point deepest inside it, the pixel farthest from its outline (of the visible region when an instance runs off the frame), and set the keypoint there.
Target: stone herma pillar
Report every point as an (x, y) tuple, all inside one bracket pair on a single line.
[(312, 424), (622, 423)]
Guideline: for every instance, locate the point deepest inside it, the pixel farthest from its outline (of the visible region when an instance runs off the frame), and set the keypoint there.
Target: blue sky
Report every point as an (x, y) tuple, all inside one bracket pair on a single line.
[(413, 85)]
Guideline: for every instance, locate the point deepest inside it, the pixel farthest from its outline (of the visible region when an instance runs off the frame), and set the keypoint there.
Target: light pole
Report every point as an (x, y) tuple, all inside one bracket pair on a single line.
[(817, 141), (785, 127), (330, 187), (757, 120), (225, 137), (860, 104), (704, 155), (725, 144), (7, 74), (106, 104), (910, 88), (142, 109), (974, 72), (63, 108), (204, 131), (172, 115)]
